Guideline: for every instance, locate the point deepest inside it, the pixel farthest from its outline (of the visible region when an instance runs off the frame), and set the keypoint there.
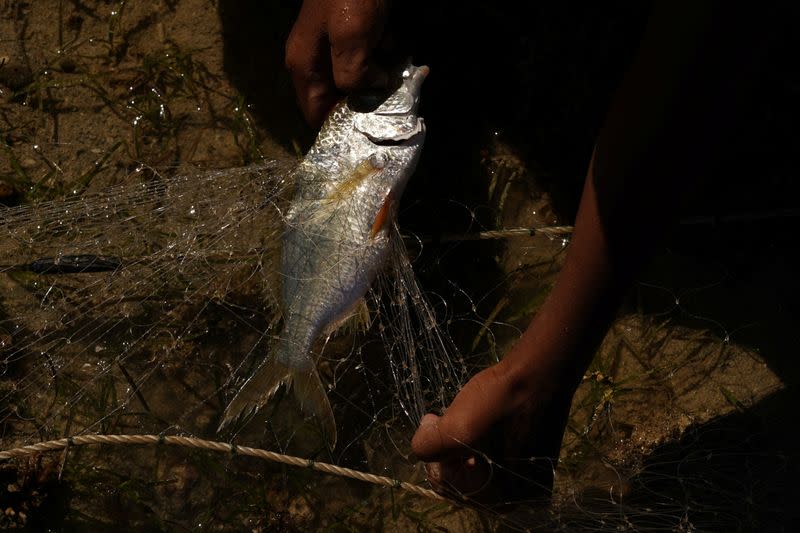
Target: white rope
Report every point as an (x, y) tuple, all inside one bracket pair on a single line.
[(191, 442)]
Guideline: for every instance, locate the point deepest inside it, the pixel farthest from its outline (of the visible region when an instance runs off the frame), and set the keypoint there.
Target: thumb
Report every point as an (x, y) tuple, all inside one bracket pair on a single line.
[(427, 443), (437, 439), (354, 36)]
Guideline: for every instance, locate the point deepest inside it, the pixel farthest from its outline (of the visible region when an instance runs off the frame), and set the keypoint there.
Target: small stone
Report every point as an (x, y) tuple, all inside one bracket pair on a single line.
[(67, 65), (12, 487), (7, 190), (75, 23), (6, 340), (14, 74), (10, 512)]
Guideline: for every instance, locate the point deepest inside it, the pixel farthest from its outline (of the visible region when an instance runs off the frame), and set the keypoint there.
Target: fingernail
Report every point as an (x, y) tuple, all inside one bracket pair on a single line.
[(429, 420)]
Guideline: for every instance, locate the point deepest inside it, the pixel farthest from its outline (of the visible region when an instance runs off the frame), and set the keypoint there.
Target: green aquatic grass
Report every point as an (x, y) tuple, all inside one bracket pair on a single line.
[(153, 98), (159, 98)]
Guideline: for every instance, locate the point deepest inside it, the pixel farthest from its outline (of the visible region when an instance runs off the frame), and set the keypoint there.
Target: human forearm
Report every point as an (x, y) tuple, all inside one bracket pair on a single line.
[(663, 133), (554, 351)]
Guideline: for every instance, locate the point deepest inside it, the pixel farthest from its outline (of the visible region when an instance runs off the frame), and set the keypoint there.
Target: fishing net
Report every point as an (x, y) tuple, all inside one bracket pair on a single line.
[(140, 287), (143, 308)]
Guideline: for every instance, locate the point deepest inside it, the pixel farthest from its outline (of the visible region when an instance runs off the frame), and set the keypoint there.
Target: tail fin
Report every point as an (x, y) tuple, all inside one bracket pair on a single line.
[(313, 399), (262, 385)]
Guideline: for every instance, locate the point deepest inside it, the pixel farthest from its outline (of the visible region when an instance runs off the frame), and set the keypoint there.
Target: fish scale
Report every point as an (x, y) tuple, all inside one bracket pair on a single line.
[(337, 239)]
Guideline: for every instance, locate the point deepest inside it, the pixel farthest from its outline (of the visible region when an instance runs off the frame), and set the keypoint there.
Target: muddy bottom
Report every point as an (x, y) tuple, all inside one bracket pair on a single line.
[(683, 421)]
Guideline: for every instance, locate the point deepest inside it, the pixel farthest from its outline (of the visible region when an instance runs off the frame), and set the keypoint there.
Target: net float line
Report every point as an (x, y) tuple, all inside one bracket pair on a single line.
[(233, 449)]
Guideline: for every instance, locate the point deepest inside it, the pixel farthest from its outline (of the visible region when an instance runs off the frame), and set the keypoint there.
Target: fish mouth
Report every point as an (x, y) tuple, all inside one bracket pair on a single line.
[(413, 78), (392, 142), (401, 99)]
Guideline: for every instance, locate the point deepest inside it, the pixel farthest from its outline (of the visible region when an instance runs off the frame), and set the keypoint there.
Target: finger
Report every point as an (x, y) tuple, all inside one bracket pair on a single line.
[(427, 443), (354, 32), (309, 63), (437, 440), (460, 477), (482, 402), (316, 99)]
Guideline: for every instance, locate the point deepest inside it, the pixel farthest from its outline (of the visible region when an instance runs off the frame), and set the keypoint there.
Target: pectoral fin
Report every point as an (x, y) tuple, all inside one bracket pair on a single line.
[(383, 215), (369, 167), (327, 208)]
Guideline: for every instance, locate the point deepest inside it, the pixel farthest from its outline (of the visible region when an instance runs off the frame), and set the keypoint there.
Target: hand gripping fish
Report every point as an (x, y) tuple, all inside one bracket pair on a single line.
[(347, 189)]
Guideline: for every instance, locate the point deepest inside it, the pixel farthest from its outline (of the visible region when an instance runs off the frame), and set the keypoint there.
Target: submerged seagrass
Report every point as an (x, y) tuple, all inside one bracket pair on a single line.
[(347, 189)]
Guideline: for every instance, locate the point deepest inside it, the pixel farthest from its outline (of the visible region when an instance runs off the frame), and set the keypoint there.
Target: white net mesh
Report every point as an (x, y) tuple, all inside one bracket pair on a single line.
[(137, 301)]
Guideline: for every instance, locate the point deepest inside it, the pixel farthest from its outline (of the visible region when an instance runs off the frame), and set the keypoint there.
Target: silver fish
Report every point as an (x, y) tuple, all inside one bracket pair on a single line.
[(347, 189)]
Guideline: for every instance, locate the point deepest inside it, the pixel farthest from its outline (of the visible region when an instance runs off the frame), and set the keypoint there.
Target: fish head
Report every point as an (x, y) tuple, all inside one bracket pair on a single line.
[(391, 128), (390, 118)]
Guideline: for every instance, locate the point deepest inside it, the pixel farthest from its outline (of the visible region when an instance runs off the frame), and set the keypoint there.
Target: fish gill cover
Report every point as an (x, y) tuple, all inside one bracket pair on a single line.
[(140, 289)]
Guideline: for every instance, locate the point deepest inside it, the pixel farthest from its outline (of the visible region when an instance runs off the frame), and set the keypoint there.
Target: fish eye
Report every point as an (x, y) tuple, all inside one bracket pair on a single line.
[(406, 74), (378, 160)]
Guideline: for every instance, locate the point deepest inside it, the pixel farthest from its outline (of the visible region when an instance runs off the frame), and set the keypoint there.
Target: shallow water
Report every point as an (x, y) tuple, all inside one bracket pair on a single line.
[(679, 424)]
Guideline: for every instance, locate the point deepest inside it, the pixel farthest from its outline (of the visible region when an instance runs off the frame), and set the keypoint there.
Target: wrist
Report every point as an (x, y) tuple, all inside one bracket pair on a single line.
[(543, 366)]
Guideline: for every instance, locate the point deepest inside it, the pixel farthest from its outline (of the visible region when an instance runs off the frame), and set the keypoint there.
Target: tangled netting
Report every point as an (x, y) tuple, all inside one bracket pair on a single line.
[(133, 314), (142, 308), (107, 291)]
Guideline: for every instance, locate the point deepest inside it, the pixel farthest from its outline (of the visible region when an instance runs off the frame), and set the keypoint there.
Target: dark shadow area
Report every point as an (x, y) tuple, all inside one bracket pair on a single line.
[(254, 36), (537, 75), (541, 76), (738, 280), (731, 268), (736, 474), (731, 265), (33, 498)]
